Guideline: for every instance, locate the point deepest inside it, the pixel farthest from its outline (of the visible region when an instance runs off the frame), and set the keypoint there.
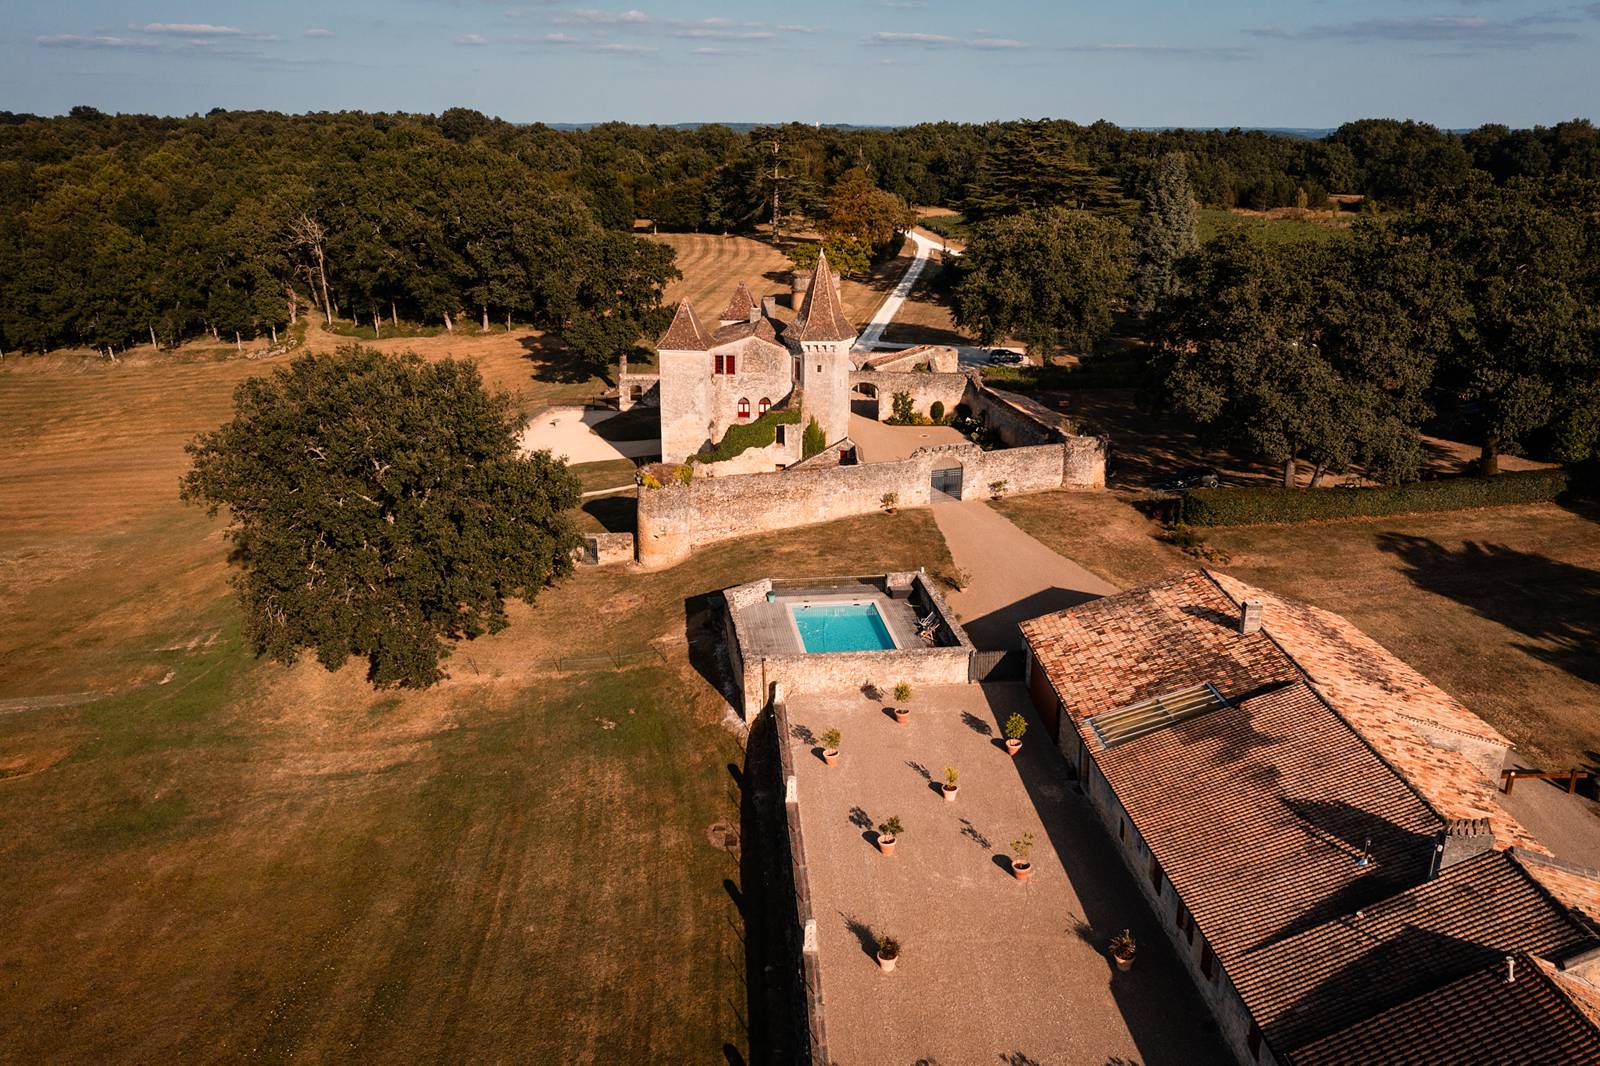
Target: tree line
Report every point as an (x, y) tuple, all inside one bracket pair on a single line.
[(117, 229), (1478, 304)]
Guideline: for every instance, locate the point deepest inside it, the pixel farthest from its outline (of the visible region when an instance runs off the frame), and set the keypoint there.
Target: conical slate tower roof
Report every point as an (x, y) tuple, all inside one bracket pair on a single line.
[(821, 317), (740, 306), (685, 334)]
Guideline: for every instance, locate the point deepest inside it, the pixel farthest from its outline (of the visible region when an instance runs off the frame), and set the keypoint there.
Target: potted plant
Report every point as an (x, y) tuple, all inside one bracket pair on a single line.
[(1121, 949), (888, 832), (997, 489), (830, 746), (1016, 726), (950, 785), (902, 694), (1021, 848), (889, 502), (888, 952)]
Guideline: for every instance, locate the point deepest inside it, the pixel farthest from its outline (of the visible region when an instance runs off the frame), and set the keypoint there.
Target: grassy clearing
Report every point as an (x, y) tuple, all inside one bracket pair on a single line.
[(211, 857), (1499, 606), (1212, 222), (713, 266)]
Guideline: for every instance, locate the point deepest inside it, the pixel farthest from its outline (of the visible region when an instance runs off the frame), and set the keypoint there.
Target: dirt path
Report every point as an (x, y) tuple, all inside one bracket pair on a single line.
[(1011, 576), (569, 432)]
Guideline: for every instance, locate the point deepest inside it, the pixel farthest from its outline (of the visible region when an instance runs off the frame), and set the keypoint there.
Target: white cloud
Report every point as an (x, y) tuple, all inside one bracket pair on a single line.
[(317, 32), (190, 29), (471, 40)]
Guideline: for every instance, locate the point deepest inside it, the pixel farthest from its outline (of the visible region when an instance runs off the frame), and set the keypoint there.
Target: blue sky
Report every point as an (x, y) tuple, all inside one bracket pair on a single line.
[(1137, 62)]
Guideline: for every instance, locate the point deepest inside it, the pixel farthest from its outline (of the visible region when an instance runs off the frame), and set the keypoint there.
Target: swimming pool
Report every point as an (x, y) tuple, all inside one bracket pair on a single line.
[(831, 627)]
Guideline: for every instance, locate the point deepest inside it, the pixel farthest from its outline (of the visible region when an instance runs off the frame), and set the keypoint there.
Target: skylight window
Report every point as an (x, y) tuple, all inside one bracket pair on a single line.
[(1145, 717)]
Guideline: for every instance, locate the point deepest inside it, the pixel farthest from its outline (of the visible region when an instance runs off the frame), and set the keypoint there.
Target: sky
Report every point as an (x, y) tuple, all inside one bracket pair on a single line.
[(1288, 63)]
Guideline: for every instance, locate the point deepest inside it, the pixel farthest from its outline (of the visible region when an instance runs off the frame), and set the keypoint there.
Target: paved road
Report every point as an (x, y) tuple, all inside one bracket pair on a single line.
[(872, 335), (1010, 576)]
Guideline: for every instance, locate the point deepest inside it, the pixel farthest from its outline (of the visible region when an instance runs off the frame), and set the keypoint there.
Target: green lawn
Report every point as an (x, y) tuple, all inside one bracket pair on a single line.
[(232, 859), (1215, 221)]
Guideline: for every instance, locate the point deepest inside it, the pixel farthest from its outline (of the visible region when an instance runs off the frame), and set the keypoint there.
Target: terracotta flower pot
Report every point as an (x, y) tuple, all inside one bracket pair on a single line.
[(886, 843), (887, 964), (1012, 747), (901, 714), (830, 755), (1123, 962), (950, 792), (1021, 870)]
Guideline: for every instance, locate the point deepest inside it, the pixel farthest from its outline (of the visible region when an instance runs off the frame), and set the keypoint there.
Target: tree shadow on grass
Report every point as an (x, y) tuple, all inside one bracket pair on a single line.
[(1553, 603), (556, 363)]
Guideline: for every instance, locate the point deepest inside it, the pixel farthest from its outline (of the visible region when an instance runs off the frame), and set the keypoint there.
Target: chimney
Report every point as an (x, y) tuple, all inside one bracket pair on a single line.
[(768, 305), (1464, 838), (1249, 617), (1511, 969)]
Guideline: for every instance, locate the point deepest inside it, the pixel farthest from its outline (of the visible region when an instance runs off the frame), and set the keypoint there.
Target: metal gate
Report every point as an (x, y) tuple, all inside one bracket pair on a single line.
[(995, 666), (948, 482)]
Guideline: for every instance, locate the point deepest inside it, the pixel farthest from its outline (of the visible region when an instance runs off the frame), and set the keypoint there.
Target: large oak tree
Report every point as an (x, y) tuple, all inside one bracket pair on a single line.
[(380, 507)]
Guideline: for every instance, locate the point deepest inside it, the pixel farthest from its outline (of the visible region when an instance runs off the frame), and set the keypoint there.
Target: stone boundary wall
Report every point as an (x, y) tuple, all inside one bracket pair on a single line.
[(1018, 420), (676, 519), (924, 388), (603, 549), (810, 961)]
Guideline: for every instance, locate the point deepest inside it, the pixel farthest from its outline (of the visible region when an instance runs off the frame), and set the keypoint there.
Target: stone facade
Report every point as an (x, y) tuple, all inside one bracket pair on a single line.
[(635, 389), (925, 389), (603, 549), (938, 358), (712, 380)]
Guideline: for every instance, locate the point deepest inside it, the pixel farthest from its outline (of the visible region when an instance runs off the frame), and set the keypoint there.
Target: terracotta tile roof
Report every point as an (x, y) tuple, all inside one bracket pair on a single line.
[(685, 334), (1584, 996), (1361, 676), (1479, 1018), (1134, 645), (1391, 705), (1330, 977), (1577, 887), (740, 305), (821, 316), (734, 332), (1260, 814), (1184, 631)]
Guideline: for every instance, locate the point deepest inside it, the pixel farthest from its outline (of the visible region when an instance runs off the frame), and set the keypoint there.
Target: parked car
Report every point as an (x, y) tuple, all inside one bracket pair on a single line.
[(1005, 357), (1194, 477)]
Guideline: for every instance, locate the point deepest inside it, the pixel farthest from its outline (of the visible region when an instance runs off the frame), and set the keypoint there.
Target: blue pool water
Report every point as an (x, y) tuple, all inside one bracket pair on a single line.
[(841, 627)]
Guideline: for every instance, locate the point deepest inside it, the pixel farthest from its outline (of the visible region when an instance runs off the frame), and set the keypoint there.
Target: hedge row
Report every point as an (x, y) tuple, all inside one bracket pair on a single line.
[(743, 436), (1243, 507)]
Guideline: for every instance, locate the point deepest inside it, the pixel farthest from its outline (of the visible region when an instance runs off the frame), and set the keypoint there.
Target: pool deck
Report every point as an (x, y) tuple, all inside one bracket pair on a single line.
[(992, 970), (772, 632)]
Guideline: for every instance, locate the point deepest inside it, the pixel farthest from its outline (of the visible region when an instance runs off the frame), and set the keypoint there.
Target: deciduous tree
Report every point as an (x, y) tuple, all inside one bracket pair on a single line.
[(380, 507)]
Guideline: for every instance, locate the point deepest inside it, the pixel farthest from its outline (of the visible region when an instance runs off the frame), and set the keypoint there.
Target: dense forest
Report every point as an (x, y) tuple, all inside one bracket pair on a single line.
[(121, 229)]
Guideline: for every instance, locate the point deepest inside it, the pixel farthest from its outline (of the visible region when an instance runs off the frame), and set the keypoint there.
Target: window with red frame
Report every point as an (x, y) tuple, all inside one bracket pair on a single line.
[(764, 406), (730, 369), (719, 369), (744, 408)]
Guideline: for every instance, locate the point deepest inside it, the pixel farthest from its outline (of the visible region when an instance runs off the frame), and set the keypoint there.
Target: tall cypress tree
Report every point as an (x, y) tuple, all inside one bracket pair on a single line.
[(1164, 233)]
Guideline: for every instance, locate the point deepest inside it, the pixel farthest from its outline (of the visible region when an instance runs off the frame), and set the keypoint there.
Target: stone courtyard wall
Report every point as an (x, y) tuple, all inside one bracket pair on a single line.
[(677, 518), (924, 389)]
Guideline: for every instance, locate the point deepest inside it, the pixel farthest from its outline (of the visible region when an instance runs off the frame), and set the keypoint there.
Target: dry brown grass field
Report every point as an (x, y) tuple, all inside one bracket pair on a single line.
[(212, 857), (713, 265), (1500, 606)]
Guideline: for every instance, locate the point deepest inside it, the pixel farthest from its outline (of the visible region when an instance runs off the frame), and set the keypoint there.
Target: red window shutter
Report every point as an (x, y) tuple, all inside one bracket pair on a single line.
[(719, 365), (730, 364)]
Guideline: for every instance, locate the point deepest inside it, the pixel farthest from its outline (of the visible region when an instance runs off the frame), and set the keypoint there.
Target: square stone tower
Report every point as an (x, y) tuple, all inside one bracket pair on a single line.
[(821, 338), (685, 357)]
